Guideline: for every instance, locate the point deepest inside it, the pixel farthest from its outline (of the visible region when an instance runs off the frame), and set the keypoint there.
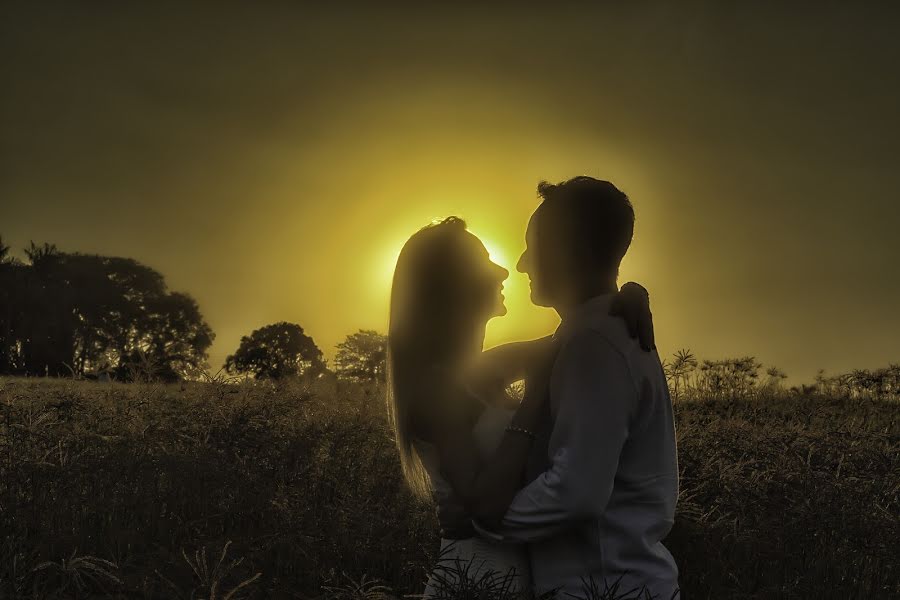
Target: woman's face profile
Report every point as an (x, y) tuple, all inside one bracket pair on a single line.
[(485, 277)]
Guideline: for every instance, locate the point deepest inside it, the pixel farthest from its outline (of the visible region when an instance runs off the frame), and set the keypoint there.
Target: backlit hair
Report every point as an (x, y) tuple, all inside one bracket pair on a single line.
[(424, 333)]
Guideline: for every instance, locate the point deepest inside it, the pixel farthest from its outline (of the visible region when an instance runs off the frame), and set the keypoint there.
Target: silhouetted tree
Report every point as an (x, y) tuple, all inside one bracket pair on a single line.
[(48, 316), (12, 275), (276, 351), (362, 356), (71, 313), (172, 336)]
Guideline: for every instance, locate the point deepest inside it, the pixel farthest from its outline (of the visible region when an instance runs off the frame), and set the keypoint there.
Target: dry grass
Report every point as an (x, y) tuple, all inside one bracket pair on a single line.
[(209, 490)]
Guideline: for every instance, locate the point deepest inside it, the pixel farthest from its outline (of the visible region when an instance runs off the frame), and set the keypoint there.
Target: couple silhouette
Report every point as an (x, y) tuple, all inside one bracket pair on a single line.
[(572, 487)]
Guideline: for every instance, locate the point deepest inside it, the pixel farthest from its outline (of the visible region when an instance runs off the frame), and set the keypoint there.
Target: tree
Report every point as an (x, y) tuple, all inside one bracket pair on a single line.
[(48, 320), (12, 274), (73, 313), (171, 336), (276, 351), (363, 356)]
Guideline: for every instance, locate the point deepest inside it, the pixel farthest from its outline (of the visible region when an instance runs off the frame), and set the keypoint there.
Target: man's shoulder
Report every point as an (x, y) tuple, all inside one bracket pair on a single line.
[(607, 336), (590, 347), (599, 329)]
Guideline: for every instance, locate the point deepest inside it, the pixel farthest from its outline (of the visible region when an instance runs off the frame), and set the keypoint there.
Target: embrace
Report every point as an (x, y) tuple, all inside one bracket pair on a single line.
[(572, 488)]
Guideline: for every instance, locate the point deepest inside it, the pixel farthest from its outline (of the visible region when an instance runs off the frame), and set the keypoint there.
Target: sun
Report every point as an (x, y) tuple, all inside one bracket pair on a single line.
[(495, 253), (388, 258), (495, 250), (389, 264)]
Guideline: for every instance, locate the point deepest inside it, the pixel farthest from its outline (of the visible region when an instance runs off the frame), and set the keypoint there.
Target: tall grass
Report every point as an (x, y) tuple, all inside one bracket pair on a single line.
[(292, 490)]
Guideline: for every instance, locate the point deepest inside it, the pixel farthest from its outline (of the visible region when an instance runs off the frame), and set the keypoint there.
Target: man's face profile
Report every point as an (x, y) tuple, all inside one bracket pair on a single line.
[(542, 260)]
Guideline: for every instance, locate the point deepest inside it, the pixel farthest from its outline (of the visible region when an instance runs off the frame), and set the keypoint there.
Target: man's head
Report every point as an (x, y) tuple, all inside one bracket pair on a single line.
[(575, 241)]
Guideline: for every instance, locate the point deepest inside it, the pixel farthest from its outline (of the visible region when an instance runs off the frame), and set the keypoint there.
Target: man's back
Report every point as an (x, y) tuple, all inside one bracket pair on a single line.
[(612, 511)]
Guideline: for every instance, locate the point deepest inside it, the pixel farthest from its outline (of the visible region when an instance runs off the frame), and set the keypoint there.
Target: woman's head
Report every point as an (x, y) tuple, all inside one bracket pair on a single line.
[(444, 285), (445, 289)]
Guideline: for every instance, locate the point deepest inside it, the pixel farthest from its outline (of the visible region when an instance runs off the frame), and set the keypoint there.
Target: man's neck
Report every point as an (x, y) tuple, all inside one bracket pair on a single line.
[(580, 297)]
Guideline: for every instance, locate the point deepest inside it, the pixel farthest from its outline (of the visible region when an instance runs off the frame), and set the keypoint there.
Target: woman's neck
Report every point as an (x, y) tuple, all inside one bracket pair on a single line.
[(470, 345)]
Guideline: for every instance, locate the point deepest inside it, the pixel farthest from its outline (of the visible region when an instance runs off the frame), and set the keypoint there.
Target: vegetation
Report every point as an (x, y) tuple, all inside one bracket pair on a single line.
[(740, 377), (362, 356), (100, 317), (76, 314), (287, 485), (276, 351), (291, 489)]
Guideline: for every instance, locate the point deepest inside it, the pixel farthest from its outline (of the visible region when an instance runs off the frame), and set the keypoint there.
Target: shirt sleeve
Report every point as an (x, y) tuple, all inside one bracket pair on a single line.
[(592, 387)]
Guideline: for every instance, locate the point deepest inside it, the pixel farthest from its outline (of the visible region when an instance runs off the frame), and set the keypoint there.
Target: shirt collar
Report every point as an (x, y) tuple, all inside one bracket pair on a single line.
[(591, 306)]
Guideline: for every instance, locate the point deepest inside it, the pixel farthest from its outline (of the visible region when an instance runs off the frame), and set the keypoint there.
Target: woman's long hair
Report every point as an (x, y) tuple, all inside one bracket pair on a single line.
[(432, 325)]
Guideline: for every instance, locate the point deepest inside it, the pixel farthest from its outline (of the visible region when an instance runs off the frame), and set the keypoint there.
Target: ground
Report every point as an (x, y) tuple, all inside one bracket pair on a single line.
[(291, 490)]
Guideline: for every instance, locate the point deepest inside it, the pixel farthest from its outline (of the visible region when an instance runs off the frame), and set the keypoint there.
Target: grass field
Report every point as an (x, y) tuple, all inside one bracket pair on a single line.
[(264, 490)]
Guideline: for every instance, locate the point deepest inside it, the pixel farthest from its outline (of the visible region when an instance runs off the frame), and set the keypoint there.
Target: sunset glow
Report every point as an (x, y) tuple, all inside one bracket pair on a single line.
[(207, 389), (284, 192)]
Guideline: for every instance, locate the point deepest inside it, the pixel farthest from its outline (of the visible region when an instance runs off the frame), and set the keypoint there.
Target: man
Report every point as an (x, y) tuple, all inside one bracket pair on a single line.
[(604, 475)]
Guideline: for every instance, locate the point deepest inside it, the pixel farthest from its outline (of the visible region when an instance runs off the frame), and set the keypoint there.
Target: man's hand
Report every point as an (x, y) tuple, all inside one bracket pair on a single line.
[(632, 303)]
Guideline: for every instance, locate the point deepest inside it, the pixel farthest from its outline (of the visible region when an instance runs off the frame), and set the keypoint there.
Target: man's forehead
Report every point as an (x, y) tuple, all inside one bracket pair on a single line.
[(532, 222)]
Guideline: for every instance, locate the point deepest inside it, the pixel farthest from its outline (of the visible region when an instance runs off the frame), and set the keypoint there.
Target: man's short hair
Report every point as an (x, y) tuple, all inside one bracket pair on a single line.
[(591, 216)]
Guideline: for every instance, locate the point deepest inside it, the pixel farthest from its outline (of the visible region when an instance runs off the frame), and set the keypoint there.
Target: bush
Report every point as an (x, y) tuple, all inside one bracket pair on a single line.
[(292, 490)]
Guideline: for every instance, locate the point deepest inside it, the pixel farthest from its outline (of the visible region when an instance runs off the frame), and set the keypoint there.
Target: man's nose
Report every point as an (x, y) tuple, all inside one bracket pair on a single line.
[(520, 266)]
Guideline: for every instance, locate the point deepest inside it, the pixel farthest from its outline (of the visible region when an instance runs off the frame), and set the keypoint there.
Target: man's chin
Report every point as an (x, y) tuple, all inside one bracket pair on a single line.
[(538, 300)]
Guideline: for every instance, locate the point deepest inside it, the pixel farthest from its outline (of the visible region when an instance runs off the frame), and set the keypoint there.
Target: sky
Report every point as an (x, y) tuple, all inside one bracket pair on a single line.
[(270, 159)]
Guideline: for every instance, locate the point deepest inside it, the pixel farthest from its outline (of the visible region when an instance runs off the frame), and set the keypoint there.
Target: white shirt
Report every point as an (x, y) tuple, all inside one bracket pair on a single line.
[(608, 498)]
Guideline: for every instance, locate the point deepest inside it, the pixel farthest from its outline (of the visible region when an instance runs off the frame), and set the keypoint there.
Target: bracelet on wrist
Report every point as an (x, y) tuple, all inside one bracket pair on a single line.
[(522, 430)]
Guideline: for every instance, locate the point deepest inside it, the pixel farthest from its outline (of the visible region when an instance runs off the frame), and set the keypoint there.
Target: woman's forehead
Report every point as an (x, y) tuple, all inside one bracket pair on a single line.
[(474, 242)]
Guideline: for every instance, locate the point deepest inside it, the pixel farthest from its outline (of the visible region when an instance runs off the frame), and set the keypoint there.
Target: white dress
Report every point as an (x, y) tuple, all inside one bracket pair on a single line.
[(485, 564)]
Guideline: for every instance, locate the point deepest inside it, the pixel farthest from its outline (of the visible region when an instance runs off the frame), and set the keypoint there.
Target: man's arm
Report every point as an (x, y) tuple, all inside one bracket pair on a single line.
[(596, 399), (485, 485)]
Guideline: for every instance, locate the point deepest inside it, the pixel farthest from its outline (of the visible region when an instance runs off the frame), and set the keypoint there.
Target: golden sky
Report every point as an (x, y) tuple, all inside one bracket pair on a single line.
[(271, 160)]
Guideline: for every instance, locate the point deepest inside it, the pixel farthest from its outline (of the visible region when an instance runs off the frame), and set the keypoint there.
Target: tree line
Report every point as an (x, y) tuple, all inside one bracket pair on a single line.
[(92, 316), (744, 377), (284, 350), (86, 315)]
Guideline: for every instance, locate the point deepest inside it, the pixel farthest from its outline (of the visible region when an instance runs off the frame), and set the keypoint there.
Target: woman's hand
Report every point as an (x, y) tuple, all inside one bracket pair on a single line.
[(485, 484), (632, 303)]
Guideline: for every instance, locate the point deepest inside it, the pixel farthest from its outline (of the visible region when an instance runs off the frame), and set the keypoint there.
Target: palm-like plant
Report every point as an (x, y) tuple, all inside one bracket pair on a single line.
[(210, 577), (776, 376), (364, 589), (75, 575), (682, 365), (4, 252)]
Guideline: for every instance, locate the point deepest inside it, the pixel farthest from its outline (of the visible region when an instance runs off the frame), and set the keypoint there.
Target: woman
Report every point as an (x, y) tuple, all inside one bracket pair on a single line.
[(461, 440)]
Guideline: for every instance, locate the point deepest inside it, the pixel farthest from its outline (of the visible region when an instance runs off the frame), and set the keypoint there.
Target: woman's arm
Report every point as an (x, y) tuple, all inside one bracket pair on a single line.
[(488, 375), (493, 370), (486, 487)]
